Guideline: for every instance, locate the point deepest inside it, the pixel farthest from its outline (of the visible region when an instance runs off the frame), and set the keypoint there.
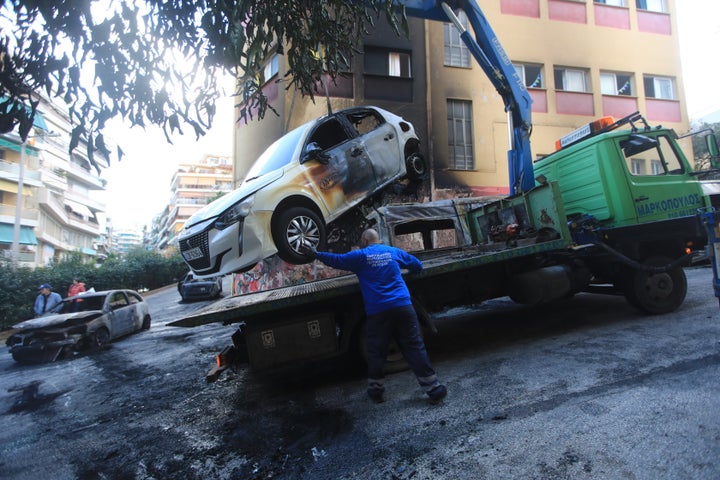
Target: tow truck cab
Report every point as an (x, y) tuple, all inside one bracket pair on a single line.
[(630, 182)]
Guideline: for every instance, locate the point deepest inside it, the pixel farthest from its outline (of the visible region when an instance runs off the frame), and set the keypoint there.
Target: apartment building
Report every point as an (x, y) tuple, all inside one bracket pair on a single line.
[(126, 239), (194, 185), (579, 59), (48, 193)]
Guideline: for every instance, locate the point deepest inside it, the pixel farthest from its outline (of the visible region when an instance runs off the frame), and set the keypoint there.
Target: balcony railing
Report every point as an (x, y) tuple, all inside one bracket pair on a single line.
[(7, 210), (11, 170)]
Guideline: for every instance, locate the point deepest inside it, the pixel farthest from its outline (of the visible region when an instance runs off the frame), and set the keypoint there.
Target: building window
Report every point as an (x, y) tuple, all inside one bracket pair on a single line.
[(636, 166), (659, 87), (531, 74), (651, 5), (656, 167), (270, 69), (616, 84), (388, 75), (460, 135), (571, 80), (387, 63), (456, 52), (614, 3)]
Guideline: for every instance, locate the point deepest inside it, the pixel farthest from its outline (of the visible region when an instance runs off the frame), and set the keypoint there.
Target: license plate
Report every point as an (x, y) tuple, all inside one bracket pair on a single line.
[(192, 254)]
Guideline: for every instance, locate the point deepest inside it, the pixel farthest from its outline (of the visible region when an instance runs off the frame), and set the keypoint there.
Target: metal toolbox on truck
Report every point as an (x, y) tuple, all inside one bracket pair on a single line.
[(273, 345)]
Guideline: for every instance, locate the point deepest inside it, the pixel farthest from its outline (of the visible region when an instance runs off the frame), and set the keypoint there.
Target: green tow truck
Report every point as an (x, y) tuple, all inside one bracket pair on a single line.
[(596, 222)]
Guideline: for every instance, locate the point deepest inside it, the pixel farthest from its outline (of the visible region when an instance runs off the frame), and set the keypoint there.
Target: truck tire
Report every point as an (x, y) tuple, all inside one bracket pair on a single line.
[(394, 361), (657, 293)]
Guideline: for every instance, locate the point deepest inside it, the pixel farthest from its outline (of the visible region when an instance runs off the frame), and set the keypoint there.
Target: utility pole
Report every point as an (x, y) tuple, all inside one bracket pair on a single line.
[(18, 203), (18, 207)]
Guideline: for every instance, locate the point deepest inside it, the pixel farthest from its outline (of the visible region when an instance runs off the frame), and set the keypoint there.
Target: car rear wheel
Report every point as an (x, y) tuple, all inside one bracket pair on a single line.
[(292, 228), (146, 323), (415, 166)]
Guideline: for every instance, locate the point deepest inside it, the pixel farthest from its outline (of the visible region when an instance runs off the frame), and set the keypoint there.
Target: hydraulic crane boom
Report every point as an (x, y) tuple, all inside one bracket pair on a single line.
[(487, 51)]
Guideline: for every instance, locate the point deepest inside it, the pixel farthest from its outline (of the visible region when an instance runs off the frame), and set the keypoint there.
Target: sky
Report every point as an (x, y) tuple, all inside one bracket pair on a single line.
[(138, 186)]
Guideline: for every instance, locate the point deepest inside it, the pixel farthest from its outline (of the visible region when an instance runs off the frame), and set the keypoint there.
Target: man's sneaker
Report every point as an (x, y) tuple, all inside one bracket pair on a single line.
[(376, 396), (437, 394)]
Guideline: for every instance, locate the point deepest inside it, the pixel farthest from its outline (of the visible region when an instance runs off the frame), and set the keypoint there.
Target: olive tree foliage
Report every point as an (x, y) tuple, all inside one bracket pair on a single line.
[(158, 61)]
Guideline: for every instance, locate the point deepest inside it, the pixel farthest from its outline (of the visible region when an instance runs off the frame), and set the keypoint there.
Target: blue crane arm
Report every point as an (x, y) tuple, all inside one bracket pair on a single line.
[(490, 55)]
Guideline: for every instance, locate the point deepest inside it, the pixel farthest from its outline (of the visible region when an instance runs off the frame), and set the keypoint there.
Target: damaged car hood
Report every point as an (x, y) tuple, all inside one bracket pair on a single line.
[(54, 320), (214, 209)]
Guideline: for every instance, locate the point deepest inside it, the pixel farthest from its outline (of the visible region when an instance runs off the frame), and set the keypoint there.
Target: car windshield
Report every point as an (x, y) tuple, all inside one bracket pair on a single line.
[(278, 154), (83, 303)]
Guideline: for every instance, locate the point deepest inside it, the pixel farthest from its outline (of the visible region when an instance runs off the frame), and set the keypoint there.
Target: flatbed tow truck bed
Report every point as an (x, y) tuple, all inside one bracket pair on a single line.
[(244, 308)]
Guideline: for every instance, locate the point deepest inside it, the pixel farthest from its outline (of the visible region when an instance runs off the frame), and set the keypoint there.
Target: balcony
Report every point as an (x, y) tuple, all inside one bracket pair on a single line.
[(82, 224), (29, 216), (82, 175), (47, 198), (92, 204), (10, 171), (24, 257)]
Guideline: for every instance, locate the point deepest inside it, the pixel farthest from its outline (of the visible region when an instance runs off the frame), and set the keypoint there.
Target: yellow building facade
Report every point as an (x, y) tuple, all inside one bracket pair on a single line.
[(580, 60)]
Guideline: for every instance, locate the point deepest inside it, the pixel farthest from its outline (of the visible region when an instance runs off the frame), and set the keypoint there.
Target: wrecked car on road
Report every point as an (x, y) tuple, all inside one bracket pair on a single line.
[(90, 320), (302, 183), (194, 288)]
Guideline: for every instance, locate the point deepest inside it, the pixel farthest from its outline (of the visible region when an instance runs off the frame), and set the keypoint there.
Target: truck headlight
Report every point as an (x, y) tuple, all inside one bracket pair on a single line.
[(235, 213)]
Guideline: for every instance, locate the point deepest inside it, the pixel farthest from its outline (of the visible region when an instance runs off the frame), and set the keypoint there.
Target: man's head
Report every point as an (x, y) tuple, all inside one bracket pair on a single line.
[(369, 237), (45, 288)]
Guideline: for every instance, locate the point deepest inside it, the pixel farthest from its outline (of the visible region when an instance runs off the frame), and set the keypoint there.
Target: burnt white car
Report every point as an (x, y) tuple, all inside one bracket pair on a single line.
[(90, 320), (302, 182)]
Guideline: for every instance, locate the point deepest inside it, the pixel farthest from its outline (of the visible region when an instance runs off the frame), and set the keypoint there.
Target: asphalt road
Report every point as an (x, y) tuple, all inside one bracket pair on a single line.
[(587, 389)]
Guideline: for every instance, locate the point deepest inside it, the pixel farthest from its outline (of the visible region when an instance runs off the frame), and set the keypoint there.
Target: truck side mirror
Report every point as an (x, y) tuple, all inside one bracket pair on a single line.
[(712, 146)]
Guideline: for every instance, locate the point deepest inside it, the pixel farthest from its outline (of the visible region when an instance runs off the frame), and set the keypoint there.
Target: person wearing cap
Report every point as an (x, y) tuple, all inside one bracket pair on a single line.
[(47, 300)]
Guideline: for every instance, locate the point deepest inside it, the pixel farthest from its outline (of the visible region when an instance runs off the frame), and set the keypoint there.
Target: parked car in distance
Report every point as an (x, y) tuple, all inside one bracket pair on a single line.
[(194, 288), (305, 180), (90, 320)]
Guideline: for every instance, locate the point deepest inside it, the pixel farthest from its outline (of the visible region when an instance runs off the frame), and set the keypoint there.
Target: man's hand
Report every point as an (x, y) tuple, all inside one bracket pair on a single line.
[(308, 250)]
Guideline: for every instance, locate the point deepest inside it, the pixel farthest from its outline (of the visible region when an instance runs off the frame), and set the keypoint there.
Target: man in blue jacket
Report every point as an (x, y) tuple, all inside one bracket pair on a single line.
[(47, 301), (389, 310)]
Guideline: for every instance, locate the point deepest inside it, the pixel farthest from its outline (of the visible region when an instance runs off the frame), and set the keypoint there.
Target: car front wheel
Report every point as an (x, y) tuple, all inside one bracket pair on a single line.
[(100, 338), (292, 228)]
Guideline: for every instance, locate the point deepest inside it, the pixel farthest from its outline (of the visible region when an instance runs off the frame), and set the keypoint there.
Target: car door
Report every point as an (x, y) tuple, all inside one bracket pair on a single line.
[(121, 315), (379, 143), (341, 174), (658, 181)]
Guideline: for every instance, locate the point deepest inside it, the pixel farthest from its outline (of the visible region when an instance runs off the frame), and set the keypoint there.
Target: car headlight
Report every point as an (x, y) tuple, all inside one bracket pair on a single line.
[(235, 213)]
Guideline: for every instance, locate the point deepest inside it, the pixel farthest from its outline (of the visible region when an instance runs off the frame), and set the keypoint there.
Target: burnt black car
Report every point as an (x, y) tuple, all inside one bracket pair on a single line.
[(193, 288)]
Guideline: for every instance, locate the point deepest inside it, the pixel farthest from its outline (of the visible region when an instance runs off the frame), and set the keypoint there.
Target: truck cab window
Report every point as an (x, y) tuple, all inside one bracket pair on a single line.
[(650, 158)]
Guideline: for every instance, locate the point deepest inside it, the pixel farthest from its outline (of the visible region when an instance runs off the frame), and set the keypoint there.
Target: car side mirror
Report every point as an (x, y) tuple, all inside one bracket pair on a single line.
[(712, 146), (635, 144), (313, 151)]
